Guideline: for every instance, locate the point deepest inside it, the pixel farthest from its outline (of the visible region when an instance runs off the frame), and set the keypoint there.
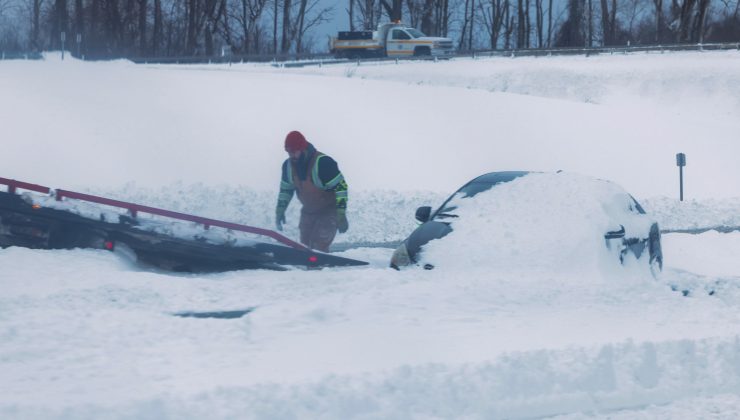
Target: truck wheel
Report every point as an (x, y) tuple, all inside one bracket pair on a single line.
[(422, 51)]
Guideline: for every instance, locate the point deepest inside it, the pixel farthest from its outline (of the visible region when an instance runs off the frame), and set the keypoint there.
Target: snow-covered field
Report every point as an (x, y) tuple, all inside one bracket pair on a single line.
[(88, 334)]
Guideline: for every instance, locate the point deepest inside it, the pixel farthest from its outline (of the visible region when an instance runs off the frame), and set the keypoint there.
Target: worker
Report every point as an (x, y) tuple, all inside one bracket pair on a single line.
[(321, 189)]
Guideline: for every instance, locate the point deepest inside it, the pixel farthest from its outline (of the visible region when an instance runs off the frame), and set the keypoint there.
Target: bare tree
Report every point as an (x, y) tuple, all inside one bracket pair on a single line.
[(427, 18), (442, 13), (246, 14), (700, 21), (609, 22), (520, 27), (35, 35), (508, 25), (590, 24), (492, 14), (472, 23), (549, 24), (142, 26), (367, 9), (572, 33), (658, 20), (275, 26), (527, 24), (287, 36), (157, 30), (632, 15), (683, 12), (309, 16), (540, 23), (690, 18), (351, 14), (394, 9), (466, 23)]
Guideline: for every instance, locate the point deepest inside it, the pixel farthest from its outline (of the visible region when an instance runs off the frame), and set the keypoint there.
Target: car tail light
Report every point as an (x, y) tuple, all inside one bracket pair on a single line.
[(109, 245), (313, 259), (36, 206)]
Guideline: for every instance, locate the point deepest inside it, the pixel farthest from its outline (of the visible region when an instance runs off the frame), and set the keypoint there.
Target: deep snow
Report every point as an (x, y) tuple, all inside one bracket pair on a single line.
[(88, 334)]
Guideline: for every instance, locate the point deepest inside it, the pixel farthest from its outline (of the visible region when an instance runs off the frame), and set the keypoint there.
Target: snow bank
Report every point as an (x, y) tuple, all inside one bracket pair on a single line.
[(711, 254), (86, 334)]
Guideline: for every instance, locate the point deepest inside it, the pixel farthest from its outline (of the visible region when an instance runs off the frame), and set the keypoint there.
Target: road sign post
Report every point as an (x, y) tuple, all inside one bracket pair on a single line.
[(64, 37), (680, 162)]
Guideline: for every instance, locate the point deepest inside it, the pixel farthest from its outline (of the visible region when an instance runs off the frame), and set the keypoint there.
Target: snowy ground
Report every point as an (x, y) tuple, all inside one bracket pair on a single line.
[(87, 334)]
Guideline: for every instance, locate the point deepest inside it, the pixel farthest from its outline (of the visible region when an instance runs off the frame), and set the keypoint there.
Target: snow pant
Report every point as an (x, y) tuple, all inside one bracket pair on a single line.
[(318, 229)]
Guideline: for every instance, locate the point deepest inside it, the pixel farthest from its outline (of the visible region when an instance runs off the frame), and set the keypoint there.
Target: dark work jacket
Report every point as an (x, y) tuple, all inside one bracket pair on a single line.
[(317, 181)]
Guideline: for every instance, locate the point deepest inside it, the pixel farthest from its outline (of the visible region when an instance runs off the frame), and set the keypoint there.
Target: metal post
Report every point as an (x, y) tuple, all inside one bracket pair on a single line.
[(63, 36), (680, 162), (79, 42)]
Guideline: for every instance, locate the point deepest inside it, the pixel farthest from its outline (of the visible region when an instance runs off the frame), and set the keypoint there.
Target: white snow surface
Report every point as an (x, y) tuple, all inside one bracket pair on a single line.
[(88, 334)]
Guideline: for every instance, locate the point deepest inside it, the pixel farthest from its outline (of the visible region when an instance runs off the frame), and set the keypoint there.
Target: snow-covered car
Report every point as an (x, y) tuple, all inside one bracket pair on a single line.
[(520, 219)]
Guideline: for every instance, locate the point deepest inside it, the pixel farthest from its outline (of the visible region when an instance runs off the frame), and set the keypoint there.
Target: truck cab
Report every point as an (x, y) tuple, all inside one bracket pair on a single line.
[(390, 40)]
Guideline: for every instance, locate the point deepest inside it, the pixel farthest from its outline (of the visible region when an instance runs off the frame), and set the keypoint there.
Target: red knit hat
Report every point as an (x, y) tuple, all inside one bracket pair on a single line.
[(295, 142)]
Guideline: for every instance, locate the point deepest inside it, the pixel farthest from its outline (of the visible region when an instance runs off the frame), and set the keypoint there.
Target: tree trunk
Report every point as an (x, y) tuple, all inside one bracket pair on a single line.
[(274, 27), (590, 24), (79, 26), (351, 15), (142, 27), (540, 22), (549, 24), (701, 16), (527, 25), (658, 20), (59, 24), (605, 24), (301, 19), (36, 27), (285, 42), (520, 24), (684, 21), (464, 31), (427, 25), (472, 22), (192, 9), (157, 32)]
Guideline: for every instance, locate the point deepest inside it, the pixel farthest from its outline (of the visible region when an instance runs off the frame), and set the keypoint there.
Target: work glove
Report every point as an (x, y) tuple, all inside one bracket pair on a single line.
[(279, 218), (342, 223)]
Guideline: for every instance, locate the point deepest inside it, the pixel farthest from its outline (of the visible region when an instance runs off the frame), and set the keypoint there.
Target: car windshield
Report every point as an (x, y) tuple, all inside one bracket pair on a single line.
[(415, 33), (472, 188), (469, 190)]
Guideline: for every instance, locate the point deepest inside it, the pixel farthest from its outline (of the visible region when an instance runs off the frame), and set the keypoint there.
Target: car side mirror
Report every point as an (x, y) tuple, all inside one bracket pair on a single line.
[(423, 213)]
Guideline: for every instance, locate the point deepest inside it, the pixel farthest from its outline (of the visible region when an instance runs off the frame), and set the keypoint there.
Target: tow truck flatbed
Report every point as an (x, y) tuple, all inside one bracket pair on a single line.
[(43, 219)]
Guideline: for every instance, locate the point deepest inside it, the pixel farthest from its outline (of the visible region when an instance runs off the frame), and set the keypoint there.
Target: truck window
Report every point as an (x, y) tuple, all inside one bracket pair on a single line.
[(415, 33), (399, 34)]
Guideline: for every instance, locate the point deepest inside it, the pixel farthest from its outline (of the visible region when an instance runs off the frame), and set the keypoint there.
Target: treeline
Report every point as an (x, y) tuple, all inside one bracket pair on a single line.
[(159, 28), (153, 28)]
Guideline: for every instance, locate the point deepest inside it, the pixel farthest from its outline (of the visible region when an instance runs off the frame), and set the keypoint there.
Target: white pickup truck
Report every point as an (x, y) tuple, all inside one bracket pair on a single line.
[(390, 40)]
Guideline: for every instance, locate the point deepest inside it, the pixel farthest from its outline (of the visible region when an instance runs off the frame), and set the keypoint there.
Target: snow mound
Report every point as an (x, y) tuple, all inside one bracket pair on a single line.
[(542, 221)]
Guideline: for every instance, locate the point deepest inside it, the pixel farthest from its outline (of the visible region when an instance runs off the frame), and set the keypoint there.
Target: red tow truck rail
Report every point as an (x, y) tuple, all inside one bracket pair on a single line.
[(13, 185), (133, 209)]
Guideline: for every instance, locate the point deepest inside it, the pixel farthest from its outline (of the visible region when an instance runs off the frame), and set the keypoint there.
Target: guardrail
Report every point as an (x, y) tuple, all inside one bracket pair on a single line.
[(302, 60), (20, 56), (299, 60)]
